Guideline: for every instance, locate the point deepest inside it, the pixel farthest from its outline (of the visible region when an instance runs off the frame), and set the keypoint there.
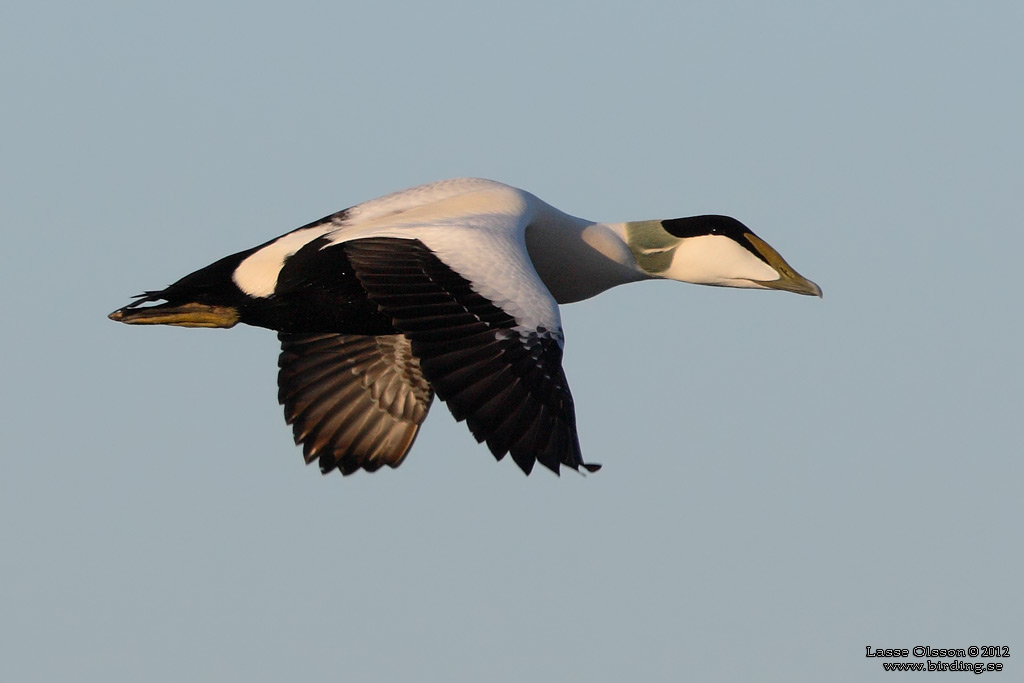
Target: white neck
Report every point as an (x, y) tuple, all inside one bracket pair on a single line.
[(576, 258)]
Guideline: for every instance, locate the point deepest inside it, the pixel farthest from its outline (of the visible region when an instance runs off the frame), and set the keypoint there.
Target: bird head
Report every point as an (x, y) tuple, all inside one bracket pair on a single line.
[(712, 250)]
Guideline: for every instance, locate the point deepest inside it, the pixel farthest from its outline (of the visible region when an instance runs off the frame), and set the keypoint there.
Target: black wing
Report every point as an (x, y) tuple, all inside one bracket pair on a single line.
[(353, 401), (505, 382)]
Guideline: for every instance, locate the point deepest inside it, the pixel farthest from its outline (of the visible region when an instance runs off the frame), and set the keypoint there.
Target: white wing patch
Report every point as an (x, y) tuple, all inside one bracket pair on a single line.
[(257, 274), (480, 234), (476, 227)]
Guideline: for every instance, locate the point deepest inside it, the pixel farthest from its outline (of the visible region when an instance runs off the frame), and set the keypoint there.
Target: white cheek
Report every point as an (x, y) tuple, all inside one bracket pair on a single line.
[(257, 275), (714, 259)]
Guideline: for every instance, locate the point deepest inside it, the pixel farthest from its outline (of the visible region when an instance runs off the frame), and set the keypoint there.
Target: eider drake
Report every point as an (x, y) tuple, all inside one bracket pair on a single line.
[(449, 288)]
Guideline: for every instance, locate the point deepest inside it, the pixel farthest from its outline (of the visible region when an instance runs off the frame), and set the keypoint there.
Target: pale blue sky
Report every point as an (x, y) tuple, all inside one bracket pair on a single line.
[(785, 480)]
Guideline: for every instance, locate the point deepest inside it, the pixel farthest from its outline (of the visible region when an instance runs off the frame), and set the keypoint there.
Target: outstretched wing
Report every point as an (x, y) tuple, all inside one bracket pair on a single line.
[(505, 380), (353, 401)]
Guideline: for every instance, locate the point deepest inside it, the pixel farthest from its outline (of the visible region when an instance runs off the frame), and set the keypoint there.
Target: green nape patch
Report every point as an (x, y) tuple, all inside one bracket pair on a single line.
[(652, 246)]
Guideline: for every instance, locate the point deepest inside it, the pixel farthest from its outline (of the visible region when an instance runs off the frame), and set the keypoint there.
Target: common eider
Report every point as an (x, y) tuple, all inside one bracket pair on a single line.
[(450, 288)]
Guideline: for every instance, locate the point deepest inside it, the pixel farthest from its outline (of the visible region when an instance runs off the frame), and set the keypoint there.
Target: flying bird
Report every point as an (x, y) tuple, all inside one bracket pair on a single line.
[(450, 288)]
